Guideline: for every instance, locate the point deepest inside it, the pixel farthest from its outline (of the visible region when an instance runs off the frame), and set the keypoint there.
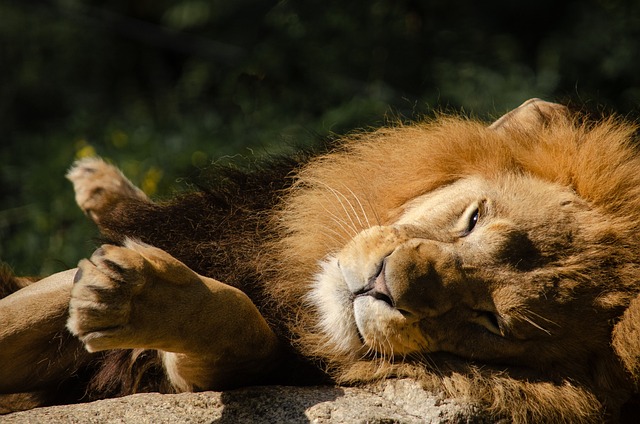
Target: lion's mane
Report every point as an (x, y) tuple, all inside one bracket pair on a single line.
[(368, 179)]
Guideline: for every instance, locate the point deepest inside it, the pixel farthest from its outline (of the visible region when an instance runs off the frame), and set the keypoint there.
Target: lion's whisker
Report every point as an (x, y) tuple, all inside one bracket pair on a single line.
[(522, 316), (364, 212), (337, 195), (339, 237), (349, 227), (355, 214), (341, 223), (375, 212), (353, 209), (330, 247), (543, 318)]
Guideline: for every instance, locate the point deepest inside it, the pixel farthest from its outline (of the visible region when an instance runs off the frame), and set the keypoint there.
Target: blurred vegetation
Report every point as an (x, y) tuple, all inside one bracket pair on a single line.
[(163, 88)]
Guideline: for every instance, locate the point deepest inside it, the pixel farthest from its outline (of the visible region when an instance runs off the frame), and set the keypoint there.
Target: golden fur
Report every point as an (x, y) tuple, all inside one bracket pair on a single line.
[(498, 265), (372, 178)]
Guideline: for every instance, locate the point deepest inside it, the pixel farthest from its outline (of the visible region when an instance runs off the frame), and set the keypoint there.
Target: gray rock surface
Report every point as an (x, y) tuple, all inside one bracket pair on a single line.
[(393, 401)]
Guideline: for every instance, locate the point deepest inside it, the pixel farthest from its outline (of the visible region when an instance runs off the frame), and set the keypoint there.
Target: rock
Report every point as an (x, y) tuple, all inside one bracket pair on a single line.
[(393, 401)]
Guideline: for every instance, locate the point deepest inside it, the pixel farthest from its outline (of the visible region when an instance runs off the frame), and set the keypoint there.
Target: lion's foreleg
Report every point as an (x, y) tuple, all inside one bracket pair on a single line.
[(138, 296), (234, 347), (36, 350)]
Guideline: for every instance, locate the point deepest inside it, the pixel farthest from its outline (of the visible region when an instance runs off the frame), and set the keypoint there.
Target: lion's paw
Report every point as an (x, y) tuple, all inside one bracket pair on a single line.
[(98, 185), (103, 296), (131, 296)]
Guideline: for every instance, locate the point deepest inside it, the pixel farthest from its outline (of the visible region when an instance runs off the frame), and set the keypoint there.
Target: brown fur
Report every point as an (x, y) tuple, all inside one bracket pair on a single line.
[(9, 283), (267, 231)]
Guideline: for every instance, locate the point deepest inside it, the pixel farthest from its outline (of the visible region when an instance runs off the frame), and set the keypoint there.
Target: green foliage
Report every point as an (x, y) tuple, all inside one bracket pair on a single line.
[(163, 88)]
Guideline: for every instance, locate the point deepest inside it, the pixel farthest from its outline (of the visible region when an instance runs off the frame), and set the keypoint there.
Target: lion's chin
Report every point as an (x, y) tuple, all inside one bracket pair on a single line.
[(385, 330)]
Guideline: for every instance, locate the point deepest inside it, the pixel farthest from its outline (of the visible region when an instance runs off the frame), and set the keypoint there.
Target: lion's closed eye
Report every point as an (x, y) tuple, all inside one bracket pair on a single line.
[(489, 320)]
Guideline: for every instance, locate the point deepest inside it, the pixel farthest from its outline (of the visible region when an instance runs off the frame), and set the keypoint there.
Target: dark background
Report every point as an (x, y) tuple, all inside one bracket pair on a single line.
[(163, 88)]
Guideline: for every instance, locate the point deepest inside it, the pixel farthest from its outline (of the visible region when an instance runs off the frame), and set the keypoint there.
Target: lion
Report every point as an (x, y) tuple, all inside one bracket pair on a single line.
[(498, 264)]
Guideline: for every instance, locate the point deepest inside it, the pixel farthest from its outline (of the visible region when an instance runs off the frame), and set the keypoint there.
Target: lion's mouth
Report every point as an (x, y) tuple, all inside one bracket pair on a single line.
[(377, 287), (379, 324)]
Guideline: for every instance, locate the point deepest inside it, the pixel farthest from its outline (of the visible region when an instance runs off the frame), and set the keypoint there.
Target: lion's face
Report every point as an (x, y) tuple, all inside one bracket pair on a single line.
[(489, 270)]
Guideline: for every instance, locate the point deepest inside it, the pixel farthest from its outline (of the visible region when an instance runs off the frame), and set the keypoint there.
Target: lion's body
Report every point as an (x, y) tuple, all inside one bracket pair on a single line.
[(499, 265)]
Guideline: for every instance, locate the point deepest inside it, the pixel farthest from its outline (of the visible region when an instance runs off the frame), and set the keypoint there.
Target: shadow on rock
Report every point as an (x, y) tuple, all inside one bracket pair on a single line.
[(273, 403)]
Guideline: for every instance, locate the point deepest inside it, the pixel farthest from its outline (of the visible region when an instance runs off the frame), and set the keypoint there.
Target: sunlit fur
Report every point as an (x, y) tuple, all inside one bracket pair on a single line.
[(373, 178)]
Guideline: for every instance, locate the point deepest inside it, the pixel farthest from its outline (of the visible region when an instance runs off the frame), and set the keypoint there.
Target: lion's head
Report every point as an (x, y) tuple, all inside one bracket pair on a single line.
[(510, 246), (491, 269)]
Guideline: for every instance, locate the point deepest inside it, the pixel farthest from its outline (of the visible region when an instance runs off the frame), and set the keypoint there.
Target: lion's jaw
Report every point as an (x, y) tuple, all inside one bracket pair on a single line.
[(471, 269)]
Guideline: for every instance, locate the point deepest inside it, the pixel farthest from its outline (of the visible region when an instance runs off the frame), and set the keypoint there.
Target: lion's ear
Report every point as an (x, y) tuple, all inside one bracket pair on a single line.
[(626, 339), (531, 115)]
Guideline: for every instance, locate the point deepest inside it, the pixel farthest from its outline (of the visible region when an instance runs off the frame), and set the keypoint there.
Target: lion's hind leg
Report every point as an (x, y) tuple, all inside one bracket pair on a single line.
[(137, 296), (99, 186)]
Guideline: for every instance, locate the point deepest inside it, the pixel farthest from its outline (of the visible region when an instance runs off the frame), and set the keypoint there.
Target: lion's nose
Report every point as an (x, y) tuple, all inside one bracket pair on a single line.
[(416, 277), (377, 287)]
